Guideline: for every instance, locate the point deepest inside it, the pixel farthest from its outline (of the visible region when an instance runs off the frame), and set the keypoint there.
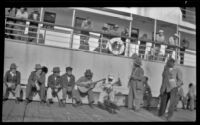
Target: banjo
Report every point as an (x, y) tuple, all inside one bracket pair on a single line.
[(91, 85)]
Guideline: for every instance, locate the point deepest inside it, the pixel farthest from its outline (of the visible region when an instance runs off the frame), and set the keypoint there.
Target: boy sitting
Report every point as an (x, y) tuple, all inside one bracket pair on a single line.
[(107, 95)]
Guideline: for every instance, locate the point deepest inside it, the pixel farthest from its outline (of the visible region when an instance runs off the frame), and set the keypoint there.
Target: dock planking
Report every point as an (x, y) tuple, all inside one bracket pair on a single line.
[(35, 112)]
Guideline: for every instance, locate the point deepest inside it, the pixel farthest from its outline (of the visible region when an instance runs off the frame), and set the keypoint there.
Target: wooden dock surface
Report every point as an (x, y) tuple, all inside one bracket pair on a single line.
[(35, 112)]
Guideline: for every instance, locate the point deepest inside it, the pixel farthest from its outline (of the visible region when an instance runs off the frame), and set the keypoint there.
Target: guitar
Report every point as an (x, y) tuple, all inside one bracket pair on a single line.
[(91, 85)]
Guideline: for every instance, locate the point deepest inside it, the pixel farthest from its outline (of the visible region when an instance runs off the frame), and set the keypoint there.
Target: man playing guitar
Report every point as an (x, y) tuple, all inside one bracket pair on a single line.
[(83, 87)]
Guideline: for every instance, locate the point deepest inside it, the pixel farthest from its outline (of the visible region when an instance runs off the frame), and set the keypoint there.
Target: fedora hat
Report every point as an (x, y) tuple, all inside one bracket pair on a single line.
[(56, 69), (13, 66), (38, 66), (88, 72), (138, 61), (176, 35), (69, 68)]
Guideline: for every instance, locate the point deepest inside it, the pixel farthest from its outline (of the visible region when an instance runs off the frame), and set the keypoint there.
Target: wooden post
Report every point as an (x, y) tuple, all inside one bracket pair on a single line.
[(73, 23), (38, 31), (129, 41)]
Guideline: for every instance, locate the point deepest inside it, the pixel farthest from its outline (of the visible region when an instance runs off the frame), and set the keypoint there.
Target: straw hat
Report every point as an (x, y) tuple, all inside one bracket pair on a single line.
[(38, 66), (56, 69), (176, 35), (88, 72), (13, 66)]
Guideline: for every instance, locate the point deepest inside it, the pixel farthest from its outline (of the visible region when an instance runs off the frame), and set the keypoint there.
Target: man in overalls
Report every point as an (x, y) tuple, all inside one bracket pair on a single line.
[(136, 87)]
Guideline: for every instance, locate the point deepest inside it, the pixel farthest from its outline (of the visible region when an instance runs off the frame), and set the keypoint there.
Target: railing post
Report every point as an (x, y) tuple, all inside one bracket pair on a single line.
[(73, 23), (154, 38), (38, 30), (129, 41), (101, 43)]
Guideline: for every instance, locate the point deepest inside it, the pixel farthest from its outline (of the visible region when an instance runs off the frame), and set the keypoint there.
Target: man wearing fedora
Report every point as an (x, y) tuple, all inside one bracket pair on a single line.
[(104, 40), (12, 83), (173, 41), (77, 94), (171, 81), (54, 86), (136, 86), (68, 82), (36, 83), (160, 38)]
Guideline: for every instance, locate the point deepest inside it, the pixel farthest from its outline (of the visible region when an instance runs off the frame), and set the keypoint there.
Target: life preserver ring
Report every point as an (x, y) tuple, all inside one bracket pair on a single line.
[(116, 46)]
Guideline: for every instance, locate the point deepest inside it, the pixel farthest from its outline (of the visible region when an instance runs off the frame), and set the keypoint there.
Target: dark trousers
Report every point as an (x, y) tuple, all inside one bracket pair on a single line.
[(30, 91), (165, 97), (77, 95)]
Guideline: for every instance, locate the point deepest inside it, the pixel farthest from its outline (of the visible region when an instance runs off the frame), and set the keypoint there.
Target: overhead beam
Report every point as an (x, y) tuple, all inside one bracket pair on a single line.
[(104, 13)]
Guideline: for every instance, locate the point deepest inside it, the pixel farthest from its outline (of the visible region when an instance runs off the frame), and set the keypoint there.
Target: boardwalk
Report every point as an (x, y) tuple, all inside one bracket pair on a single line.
[(35, 112)]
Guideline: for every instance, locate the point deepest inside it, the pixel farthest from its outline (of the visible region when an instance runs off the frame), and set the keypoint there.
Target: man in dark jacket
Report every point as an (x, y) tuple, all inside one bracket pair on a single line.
[(12, 82), (172, 79), (68, 82), (54, 86), (136, 86), (36, 83)]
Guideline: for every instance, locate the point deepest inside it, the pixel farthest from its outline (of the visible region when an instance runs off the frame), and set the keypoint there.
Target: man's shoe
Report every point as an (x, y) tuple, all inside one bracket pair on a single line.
[(27, 101), (5, 99)]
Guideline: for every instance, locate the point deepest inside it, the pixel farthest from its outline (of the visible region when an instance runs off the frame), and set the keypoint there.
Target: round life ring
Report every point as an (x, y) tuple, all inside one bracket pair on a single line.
[(116, 46)]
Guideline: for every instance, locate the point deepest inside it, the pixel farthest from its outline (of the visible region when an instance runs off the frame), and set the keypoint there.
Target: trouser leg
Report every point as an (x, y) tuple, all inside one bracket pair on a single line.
[(173, 101), (6, 91), (191, 103), (42, 92), (76, 95), (163, 103), (29, 91), (49, 93), (64, 91), (130, 97), (101, 96), (17, 91), (90, 96), (60, 94)]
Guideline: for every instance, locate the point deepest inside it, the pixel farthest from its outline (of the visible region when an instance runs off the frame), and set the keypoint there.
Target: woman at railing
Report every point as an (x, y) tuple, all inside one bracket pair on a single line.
[(33, 26), (20, 27)]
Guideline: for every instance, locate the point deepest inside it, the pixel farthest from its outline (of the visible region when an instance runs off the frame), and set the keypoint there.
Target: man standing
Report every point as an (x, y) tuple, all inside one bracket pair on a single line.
[(191, 97), (171, 80), (173, 41), (36, 83), (12, 83), (147, 92), (86, 25), (54, 87), (84, 81), (68, 82), (136, 86)]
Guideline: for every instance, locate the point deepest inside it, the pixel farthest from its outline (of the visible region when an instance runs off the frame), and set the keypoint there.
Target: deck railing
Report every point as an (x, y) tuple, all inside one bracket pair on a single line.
[(96, 41)]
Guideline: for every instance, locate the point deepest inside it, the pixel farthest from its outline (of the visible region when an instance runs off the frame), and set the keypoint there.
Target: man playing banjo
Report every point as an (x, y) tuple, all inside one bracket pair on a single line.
[(83, 87)]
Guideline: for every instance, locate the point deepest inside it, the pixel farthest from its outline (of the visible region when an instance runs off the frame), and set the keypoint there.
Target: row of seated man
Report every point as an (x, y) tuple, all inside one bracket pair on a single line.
[(59, 86)]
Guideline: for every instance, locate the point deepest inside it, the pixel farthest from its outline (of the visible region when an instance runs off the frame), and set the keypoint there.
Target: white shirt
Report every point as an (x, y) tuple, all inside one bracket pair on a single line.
[(19, 14)]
